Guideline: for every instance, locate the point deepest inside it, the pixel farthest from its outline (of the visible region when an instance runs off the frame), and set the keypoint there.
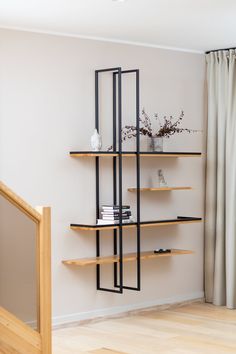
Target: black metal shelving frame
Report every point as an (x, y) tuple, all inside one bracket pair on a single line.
[(117, 74), (116, 154)]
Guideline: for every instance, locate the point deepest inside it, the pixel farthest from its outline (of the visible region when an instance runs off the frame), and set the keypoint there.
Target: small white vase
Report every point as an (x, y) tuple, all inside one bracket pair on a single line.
[(96, 141)]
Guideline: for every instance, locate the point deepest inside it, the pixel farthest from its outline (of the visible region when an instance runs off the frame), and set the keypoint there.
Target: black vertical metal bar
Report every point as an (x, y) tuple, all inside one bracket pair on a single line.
[(97, 180), (114, 176), (120, 181), (138, 234), (96, 102), (138, 183), (114, 111), (98, 272)]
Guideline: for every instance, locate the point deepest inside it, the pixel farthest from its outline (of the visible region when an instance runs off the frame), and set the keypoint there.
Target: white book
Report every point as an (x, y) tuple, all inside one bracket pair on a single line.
[(115, 207), (114, 212), (112, 222), (104, 217)]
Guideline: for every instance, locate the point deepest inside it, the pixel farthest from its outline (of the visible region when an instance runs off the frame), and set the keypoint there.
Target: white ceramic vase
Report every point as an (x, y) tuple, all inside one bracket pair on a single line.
[(96, 141)]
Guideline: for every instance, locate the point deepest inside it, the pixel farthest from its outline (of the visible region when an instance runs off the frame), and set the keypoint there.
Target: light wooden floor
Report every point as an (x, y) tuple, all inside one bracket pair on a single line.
[(194, 328)]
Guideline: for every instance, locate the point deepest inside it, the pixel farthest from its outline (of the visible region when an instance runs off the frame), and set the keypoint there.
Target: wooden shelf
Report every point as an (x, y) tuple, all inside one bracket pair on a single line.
[(126, 258), (159, 189), (132, 154), (179, 220)]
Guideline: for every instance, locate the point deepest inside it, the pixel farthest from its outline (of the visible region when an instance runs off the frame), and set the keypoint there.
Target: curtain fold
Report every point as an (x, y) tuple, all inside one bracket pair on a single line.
[(220, 225)]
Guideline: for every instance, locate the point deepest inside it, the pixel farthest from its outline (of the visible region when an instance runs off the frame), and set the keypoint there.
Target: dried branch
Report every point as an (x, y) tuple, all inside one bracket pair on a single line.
[(167, 128)]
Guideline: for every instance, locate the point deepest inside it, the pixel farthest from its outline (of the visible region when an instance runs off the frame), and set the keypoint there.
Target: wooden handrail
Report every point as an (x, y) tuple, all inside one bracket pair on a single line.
[(22, 341), (13, 198), (17, 337)]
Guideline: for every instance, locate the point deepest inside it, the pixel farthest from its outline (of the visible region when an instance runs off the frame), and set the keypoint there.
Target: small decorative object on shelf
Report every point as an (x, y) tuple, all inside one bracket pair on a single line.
[(162, 250), (156, 144), (110, 214), (96, 141), (167, 127), (162, 181)]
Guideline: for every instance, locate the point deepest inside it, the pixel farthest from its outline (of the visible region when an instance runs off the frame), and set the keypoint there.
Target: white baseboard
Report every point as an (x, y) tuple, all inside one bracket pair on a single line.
[(118, 310)]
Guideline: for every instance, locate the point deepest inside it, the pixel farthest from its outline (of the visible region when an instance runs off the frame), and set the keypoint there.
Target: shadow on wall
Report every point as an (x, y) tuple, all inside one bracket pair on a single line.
[(18, 279)]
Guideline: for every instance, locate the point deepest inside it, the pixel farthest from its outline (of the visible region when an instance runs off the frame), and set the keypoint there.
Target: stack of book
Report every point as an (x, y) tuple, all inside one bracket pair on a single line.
[(110, 214)]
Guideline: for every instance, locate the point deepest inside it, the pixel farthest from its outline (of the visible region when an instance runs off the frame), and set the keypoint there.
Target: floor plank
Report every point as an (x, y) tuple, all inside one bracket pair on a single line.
[(194, 328), (105, 351)]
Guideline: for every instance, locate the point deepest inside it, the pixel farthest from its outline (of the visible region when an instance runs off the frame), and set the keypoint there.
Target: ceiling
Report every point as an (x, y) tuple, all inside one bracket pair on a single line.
[(192, 25)]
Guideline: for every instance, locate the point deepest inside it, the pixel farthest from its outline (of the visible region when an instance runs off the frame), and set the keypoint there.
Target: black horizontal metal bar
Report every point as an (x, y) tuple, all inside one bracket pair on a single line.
[(109, 69), (89, 152), (110, 290), (128, 71), (179, 218), (131, 288), (187, 218), (218, 50), (168, 153)]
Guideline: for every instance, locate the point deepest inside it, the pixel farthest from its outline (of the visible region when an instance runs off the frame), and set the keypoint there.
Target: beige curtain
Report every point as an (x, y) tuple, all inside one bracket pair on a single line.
[(220, 224)]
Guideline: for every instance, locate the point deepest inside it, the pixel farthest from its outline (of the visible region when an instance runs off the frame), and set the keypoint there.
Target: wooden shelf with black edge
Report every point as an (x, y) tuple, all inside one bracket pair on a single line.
[(161, 189), (79, 154), (117, 155), (128, 257), (153, 223)]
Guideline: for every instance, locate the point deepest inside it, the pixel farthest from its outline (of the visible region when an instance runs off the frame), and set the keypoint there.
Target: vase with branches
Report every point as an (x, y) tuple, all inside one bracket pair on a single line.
[(167, 127)]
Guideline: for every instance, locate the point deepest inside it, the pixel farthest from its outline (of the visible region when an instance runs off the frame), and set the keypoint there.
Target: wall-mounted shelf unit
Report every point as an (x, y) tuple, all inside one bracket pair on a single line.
[(128, 257), (117, 155)]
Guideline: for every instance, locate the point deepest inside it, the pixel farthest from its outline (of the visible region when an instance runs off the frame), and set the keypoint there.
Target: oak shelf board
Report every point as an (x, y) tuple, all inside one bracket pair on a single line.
[(92, 153), (95, 227), (132, 154), (159, 189), (129, 257)]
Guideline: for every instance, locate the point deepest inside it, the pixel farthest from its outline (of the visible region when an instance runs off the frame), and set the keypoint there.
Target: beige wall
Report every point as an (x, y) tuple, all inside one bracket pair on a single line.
[(47, 109)]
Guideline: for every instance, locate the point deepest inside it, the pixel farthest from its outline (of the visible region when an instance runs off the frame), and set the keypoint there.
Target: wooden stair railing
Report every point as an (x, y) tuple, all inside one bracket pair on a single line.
[(16, 336)]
